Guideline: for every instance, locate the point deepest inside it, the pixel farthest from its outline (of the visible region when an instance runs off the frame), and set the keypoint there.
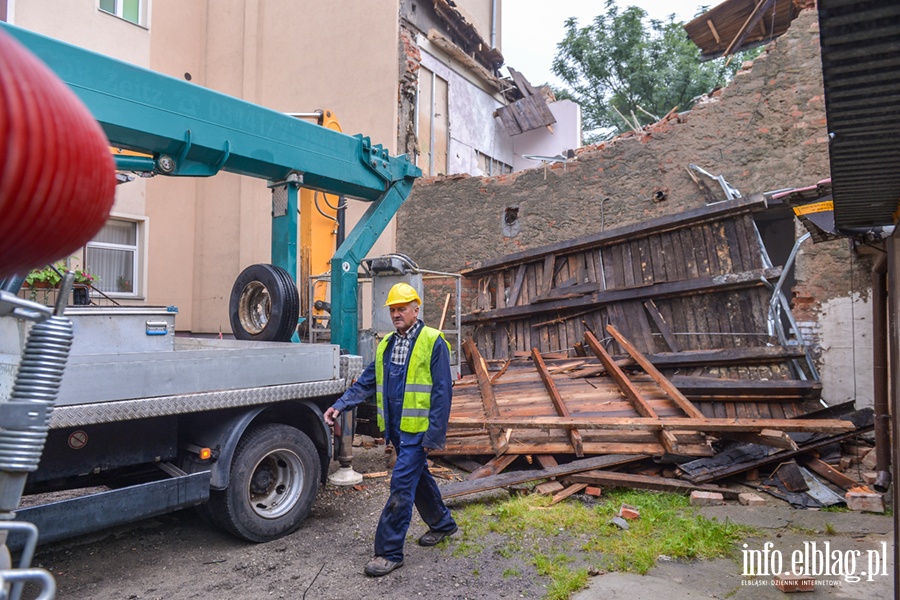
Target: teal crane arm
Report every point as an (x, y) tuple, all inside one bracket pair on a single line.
[(194, 131)]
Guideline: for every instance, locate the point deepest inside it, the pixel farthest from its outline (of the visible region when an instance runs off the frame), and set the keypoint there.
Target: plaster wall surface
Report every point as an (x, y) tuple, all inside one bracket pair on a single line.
[(84, 24), (288, 56), (470, 132), (565, 135), (765, 131)]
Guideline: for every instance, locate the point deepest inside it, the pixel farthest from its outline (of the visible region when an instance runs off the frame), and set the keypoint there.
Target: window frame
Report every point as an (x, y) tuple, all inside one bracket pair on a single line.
[(119, 12), (139, 256)]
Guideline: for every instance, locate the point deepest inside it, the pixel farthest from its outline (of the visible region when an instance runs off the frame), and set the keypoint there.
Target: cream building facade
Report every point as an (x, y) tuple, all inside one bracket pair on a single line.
[(383, 67)]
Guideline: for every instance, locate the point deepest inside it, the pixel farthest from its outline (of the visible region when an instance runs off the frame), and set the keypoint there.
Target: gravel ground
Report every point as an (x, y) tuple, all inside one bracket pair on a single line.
[(178, 556)]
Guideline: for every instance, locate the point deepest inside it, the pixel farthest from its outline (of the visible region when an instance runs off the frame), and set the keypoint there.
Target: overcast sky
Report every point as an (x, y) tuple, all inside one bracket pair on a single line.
[(532, 28)]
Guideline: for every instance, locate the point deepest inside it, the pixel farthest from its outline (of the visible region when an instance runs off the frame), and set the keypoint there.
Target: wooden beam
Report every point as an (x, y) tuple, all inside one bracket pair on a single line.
[(715, 33), (639, 403), (558, 403), (828, 472), (475, 447), (628, 390), (661, 324), (656, 424), (766, 437), (754, 17), (462, 488), (479, 367), (569, 491), (646, 482), (598, 297), (493, 466), (666, 385), (517, 286), (638, 230)]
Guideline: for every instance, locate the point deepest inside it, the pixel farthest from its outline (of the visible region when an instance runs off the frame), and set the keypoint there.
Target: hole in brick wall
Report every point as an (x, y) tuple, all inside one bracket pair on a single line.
[(510, 223)]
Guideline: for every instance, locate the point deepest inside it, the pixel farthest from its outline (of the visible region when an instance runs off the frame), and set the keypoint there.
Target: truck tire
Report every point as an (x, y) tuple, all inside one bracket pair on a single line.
[(264, 304), (274, 480)]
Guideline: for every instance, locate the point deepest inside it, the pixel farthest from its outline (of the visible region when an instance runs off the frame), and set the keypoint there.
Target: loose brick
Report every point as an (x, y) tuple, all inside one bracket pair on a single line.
[(706, 498), (629, 512), (865, 501), (869, 460), (749, 499), (593, 491)]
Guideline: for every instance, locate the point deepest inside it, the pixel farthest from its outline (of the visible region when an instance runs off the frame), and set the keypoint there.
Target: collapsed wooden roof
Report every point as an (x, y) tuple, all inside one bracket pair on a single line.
[(736, 25), (658, 338)]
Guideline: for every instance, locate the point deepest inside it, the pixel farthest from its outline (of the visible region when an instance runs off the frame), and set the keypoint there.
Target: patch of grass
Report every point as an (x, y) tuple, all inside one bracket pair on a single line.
[(829, 529), (668, 525), (549, 537), (564, 580), (836, 508), (511, 572)]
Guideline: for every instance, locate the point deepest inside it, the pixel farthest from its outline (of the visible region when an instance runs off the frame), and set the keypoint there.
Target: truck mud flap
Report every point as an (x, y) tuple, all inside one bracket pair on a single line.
[(77, 516)]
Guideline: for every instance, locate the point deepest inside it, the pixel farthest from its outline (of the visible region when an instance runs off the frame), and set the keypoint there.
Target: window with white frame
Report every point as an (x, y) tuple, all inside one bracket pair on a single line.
[(130, 10), (113, 257)]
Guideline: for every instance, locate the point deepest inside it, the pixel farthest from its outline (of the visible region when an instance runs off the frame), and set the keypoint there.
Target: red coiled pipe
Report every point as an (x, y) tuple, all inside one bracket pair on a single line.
[(57, 176)]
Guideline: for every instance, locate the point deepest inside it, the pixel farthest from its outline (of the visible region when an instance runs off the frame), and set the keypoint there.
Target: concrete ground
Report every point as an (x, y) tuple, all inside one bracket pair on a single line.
[(855, 543)]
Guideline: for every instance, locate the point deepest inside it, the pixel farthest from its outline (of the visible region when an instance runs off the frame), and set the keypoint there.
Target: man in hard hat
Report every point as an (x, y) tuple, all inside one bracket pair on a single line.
[(410, 379)]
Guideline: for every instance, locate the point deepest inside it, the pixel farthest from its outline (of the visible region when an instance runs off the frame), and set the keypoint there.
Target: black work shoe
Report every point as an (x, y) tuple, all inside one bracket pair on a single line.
[(380, 566), (433, 538)]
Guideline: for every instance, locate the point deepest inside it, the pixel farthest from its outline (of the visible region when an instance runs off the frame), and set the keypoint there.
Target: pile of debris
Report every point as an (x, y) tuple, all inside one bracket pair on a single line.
[(694, 376)]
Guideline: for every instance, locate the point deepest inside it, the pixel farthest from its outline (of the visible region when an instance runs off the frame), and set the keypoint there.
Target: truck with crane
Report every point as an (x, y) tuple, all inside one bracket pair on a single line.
[(150, 422)]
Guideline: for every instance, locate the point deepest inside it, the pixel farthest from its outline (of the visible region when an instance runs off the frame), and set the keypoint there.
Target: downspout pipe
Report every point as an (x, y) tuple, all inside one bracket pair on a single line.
[(880, 365)]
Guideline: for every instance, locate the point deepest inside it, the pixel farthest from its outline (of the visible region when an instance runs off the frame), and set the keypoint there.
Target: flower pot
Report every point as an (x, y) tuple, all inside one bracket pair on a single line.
[(81, 295)]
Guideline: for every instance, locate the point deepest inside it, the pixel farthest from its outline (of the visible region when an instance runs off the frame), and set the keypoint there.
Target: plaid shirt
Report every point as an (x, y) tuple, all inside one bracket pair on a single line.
[(402, 343)]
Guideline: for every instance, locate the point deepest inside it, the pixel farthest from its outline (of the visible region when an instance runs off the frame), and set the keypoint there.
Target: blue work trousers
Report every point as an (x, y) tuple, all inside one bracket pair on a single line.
[(411, 484)]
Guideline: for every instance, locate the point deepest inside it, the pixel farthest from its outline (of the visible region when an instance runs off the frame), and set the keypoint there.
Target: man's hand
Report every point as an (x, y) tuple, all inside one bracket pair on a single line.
[(331, 414)]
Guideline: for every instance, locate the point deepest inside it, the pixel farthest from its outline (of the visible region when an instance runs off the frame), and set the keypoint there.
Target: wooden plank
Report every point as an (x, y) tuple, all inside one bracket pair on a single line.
[(639, 402), (662, 326), (828, 472), (479, 368), (558, 403), (720, 283), (766, 437), (493, 466), (462, 488), (517, 286), (656, 424), (646, 482), (546, 461), (549, 271), (667, 386), (569, 491), (629, 232)]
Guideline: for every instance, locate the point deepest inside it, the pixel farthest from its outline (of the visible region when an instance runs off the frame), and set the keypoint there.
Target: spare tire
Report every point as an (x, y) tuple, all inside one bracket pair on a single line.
[(264, 304)]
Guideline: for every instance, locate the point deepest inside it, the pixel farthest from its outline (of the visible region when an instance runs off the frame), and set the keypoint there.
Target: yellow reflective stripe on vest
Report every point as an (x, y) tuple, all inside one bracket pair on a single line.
[(417, 392)]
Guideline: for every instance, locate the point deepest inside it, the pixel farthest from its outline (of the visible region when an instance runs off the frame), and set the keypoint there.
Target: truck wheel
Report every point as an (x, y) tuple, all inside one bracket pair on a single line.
[(274, 479), (264, 304)]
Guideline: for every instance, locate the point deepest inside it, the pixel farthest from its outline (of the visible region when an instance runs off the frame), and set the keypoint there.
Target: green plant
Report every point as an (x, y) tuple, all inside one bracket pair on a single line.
[(48, 275), (51, 275)]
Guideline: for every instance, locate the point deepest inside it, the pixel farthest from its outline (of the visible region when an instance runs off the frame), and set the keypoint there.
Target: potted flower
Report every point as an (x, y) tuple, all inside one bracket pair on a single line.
[(44, 278)]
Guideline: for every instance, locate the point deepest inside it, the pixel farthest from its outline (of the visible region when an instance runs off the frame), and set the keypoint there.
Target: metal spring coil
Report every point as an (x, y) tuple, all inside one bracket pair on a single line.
[(37, 380)]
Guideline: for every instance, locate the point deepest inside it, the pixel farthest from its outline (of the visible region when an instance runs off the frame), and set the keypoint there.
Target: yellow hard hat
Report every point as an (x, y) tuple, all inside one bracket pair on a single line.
[(402, 293)]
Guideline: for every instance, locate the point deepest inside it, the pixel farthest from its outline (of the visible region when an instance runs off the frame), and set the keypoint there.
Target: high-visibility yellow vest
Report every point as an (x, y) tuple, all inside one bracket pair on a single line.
[(417, 394)]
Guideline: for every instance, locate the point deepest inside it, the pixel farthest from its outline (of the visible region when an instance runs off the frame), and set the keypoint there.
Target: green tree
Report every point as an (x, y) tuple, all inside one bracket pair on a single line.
[(624, 65)]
